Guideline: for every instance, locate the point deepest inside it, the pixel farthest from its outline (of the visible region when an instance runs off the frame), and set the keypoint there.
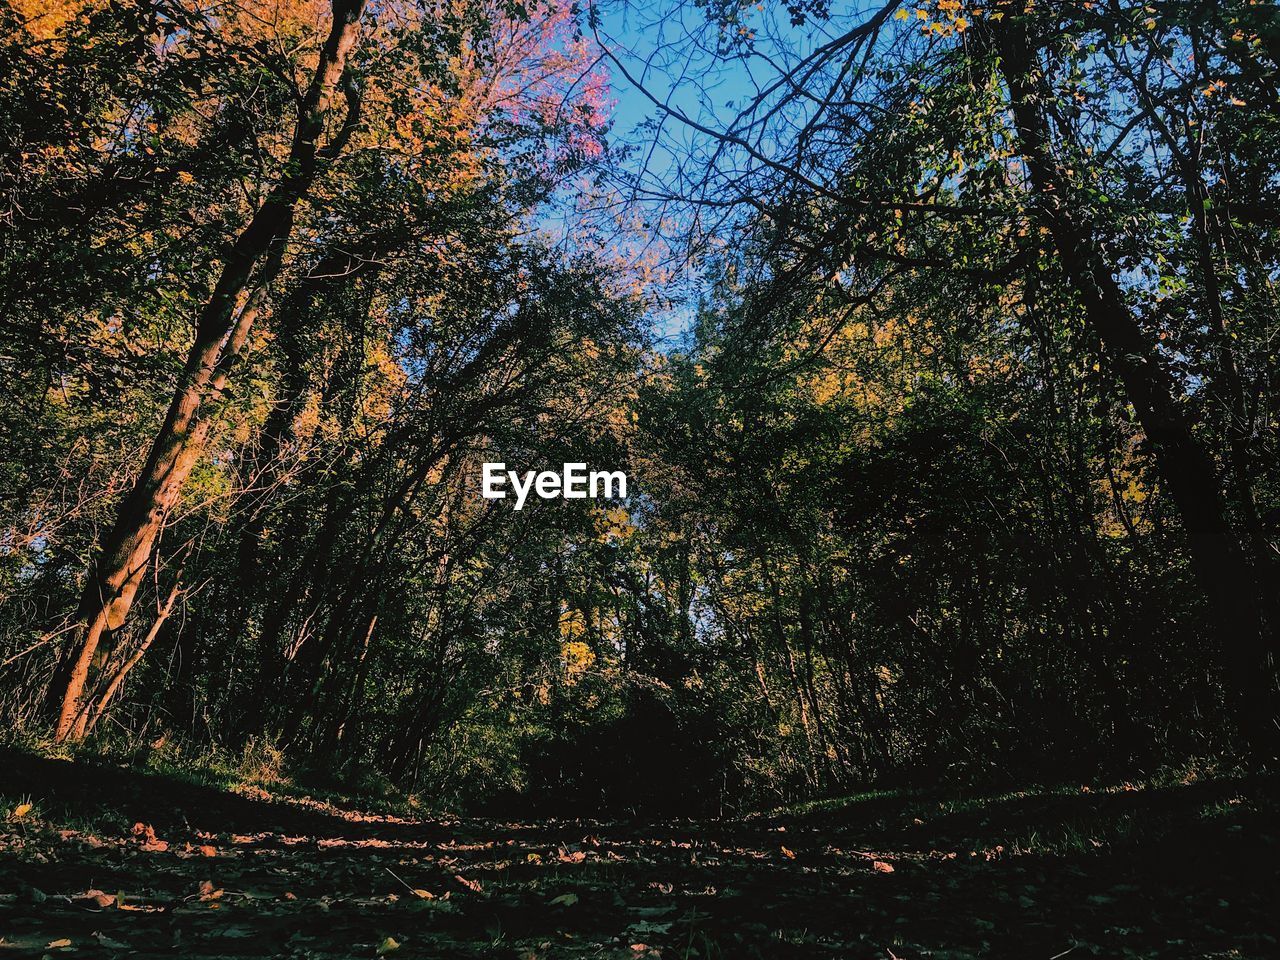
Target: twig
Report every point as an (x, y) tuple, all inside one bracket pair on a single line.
[(405, 885), (47, 638)]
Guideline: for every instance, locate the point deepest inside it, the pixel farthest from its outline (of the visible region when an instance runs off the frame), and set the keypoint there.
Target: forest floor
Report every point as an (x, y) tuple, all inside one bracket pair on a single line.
[(109, 862)]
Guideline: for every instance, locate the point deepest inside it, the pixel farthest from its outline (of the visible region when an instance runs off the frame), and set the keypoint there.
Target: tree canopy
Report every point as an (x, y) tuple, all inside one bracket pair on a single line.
[(963, 464)]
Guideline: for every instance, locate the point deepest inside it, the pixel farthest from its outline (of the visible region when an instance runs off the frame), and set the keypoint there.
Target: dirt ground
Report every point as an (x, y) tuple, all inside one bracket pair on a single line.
[(112, 863)]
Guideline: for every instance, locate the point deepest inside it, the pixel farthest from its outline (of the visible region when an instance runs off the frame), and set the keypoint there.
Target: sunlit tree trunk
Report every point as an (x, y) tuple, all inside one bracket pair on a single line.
[(96, 706), (222, 329)]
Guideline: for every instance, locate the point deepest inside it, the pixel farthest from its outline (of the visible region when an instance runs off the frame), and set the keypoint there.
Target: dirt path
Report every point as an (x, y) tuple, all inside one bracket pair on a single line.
[(1182, 872)]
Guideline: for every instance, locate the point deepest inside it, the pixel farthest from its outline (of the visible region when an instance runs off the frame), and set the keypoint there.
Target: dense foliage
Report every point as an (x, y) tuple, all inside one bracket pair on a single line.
[(965, 467)]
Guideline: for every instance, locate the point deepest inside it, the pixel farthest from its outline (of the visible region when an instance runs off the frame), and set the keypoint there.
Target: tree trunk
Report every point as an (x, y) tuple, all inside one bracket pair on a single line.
[(1185, 466), (221, 331), (93, 709)]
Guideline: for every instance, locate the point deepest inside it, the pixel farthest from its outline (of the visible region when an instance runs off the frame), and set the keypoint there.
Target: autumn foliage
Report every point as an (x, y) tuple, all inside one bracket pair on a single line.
[(960, 466)]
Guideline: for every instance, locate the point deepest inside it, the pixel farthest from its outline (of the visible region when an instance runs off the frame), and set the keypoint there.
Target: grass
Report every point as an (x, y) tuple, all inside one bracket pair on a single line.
[(93, 819), (834, 804), (1047, 819), (260, 771), (1044, 819)]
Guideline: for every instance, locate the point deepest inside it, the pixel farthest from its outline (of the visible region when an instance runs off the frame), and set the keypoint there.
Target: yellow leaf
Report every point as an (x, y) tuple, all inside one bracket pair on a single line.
[(424, 894), (901, 14), (387, 946), (21, 810)]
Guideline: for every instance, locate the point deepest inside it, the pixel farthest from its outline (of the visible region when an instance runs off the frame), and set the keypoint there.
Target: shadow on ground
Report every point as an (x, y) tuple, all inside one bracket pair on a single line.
[(1186, 871)]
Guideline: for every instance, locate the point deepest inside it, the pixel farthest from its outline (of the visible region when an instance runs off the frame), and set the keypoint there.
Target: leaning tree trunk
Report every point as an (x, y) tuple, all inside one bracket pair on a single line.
[(97, 704), (1186, 468), (221, 331)]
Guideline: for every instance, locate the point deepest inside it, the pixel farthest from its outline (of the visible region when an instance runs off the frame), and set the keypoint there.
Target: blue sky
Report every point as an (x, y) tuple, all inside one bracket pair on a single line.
[(669, 48)]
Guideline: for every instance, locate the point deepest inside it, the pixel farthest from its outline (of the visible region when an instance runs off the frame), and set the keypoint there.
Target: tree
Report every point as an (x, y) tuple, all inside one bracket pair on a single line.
[(221, 331)]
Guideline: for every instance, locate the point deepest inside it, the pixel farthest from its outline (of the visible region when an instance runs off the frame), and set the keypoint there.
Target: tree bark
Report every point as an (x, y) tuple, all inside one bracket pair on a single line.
[(221, 332), (93, 709)]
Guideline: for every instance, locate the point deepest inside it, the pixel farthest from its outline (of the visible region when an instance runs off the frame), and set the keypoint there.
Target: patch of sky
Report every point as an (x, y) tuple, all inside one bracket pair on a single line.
[(685, 88)]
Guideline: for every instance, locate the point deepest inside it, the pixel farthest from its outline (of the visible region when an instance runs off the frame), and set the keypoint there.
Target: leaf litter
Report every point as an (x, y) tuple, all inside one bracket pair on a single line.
[(273, 879)]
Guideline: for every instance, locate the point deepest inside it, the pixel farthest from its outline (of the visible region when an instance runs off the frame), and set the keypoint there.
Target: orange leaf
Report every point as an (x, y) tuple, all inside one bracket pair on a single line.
[(469, 884)]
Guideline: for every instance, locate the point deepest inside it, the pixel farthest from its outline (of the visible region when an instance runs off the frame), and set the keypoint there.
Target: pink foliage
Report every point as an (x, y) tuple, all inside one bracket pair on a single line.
[(547, 80)]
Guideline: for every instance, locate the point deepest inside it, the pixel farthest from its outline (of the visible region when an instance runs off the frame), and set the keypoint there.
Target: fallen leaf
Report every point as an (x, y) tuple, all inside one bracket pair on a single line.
[(387, 946), (96, 899), (469, 884), (57, 944), (565, 900), (424, 894), (147, 834), (140, 907), (879, 866), (787, 853), (21, 810)]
